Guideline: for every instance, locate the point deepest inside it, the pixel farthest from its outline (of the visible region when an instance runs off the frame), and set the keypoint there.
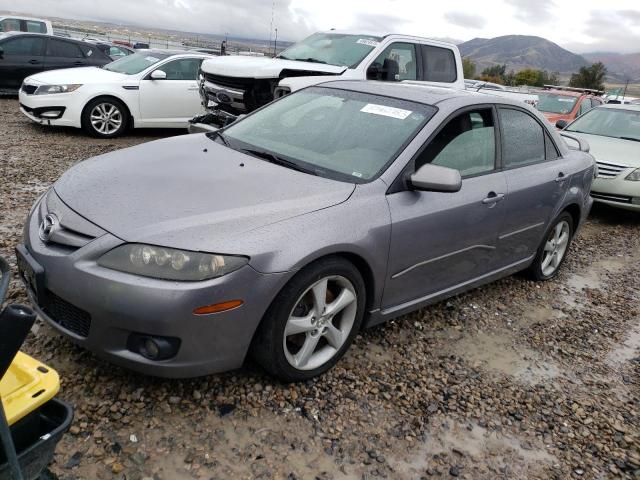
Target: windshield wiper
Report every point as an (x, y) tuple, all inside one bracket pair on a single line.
[(310, 60), (221, 136), (275, 159), (630, 138)]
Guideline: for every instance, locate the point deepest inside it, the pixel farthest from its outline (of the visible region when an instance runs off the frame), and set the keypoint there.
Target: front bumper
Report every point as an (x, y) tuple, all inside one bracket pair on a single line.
[(114, 305), (617, 192), (55, 110)]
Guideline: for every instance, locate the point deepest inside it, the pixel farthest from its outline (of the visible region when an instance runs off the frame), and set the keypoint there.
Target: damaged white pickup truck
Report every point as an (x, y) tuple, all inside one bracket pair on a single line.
[(231, 86)]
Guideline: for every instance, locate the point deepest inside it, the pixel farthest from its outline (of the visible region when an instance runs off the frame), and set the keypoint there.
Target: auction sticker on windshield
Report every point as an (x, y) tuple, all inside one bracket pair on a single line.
[(392, 112), (152, 59), (366, 41)]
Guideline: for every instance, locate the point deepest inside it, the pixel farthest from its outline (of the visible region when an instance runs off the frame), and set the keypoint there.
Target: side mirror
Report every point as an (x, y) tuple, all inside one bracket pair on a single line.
[(561, 124), (374, 71), (435, 178), (158, 75)]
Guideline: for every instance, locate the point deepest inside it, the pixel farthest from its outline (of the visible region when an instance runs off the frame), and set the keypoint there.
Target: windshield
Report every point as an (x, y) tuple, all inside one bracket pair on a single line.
[(332, 48), (135, 63), (609, 122), (348, 136), (553, 103)]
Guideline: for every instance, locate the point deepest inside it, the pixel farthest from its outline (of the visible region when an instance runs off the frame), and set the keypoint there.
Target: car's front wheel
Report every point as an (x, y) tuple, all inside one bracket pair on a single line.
[(553, 250), (312, 322), (105, 118)]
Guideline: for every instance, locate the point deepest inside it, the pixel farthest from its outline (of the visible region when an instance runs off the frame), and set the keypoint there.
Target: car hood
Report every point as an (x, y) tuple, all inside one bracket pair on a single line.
[(190, 192), (80, 75), (262, 67), (614, 150)]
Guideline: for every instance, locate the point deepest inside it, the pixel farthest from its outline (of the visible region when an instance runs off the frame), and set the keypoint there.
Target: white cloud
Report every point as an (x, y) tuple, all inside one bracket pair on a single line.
[(579, 26)]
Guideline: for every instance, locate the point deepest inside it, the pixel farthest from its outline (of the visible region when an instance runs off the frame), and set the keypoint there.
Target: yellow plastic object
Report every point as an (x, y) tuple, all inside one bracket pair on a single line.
[(27, 385)]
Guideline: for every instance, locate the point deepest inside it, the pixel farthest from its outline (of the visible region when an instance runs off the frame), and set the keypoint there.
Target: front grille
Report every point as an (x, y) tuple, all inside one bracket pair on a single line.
[(29, 89), (230, 82), (66, 315), (611, 197), (610, 170)]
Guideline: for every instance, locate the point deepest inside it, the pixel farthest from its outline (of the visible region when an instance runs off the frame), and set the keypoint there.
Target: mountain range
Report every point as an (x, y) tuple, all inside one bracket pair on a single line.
[(519, 52), (524, 51)]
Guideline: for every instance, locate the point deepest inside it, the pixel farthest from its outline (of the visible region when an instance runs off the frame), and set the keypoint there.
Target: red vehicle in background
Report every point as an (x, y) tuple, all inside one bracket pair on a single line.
[(567, 103)]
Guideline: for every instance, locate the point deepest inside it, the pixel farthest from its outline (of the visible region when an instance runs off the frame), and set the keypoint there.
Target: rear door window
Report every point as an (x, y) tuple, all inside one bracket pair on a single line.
[(60, 48), (35, 27), (438, 64), (523, 140)]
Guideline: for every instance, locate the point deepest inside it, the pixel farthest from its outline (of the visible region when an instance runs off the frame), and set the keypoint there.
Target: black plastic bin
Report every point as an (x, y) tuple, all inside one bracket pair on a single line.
[(36, 436)]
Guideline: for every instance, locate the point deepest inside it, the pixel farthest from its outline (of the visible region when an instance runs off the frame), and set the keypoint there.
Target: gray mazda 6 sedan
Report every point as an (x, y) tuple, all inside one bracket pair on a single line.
[(282, 235)]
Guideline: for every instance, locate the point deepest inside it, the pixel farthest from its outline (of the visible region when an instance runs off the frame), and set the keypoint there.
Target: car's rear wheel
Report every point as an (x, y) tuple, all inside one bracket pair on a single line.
[(312, 322), (553, 250), (105, 118)]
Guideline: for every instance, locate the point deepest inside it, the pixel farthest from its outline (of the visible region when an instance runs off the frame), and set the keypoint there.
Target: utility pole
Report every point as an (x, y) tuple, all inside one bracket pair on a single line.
[(275, 44)]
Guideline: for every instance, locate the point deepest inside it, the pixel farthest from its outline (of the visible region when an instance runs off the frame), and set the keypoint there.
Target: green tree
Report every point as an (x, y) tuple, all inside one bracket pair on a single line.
[(529, 76), (468, 67), (590, 77), (495, 71)]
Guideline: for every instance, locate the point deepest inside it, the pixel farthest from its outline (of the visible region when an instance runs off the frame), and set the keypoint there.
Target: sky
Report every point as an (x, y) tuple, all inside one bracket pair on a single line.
[(580, 26)]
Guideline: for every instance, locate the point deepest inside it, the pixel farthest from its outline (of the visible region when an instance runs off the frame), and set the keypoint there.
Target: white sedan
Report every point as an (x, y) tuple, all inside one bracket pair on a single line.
[(149, 89)]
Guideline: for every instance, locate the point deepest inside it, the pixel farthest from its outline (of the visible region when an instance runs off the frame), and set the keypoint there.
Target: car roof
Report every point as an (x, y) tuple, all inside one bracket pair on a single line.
[(20, 17), (384, 34), (622, 106), (418, 92)]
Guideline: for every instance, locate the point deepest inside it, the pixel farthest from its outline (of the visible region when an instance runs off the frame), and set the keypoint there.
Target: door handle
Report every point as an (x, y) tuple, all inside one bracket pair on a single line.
[(193, 88), (79, 63), (33, 61), (561, 177), (493, 198)]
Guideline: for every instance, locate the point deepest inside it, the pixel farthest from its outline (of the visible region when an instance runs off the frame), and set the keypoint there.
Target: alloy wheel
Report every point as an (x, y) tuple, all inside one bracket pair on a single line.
[(320, 322), (106, 118), (555, 248)]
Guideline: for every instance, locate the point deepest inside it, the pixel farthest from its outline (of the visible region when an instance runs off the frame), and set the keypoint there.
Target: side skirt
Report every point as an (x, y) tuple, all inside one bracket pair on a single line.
[(382, 315)]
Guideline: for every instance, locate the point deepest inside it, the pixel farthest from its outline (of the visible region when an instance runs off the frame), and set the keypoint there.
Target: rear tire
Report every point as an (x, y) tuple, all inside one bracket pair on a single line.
[(312, 322), (553, 249), (105, 117)]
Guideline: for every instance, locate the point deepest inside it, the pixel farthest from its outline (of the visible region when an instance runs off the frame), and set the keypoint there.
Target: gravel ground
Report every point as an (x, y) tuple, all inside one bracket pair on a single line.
[(513, 380)]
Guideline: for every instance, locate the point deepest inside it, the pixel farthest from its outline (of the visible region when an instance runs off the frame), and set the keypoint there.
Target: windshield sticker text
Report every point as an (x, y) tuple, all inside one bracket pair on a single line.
[(366, 41), (392, 112)]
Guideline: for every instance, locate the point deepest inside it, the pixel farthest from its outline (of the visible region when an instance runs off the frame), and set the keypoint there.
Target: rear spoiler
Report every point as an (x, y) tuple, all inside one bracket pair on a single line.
[(583, 145)]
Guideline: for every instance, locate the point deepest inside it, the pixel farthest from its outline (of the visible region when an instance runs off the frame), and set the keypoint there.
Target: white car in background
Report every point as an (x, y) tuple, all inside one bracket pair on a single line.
[(149, 89), (613, 133)]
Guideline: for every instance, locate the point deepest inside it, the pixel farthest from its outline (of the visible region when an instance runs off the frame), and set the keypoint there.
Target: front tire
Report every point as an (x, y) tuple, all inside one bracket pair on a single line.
[(312, 322), (105, 117), (553, 250)]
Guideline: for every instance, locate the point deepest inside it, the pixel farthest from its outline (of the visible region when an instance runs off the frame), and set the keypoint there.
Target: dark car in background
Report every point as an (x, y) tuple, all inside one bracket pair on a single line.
[(24, 54), (112, 50)]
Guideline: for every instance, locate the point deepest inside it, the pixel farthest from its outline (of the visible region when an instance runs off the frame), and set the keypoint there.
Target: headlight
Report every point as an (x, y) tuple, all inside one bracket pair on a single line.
[(634, 176), (47, 89), (169, 264)]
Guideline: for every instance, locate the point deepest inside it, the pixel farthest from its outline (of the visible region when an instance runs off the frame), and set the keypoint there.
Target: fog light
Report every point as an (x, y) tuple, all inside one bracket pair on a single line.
[(153, 347), (50, 114)]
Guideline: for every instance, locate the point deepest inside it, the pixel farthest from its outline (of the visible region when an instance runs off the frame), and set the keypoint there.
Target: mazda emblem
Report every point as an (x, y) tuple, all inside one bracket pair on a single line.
[(47, 227)]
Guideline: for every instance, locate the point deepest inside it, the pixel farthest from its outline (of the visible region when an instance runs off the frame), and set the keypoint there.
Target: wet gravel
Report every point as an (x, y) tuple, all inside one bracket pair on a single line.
[(513, 380)]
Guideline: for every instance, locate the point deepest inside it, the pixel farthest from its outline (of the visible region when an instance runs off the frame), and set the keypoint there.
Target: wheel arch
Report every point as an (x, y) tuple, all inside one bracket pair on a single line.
[(575, 211), (130, 116)]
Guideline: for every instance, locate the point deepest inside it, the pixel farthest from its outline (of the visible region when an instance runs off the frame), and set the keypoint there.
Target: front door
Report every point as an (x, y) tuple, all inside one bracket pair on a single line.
[(442, 240), (20, 58), (171, 102)]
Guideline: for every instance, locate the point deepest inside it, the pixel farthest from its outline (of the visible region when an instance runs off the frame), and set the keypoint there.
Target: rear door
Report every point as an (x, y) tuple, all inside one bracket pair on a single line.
[(537, 180), (63, 54), (440, 241), (21, 57), (174, 100)]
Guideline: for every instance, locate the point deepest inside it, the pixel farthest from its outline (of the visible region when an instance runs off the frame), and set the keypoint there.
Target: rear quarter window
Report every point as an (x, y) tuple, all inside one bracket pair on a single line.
[(438, 64)]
